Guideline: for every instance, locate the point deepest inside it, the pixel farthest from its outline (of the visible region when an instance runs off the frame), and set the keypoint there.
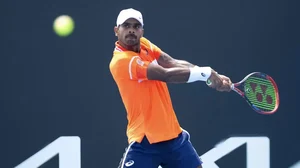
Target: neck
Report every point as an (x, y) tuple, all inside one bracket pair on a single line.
[(135, 48)]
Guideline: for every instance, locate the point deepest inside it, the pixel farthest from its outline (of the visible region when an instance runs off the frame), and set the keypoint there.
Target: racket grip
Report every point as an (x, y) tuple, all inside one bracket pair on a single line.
[(208, 82)]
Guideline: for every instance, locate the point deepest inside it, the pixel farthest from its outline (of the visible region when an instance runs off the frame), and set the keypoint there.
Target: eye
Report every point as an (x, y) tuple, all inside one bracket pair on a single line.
[(138, 26), (125, 25)]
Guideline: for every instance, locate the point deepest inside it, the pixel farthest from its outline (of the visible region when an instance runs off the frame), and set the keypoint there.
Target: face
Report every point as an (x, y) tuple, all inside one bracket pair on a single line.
[(130, 32)]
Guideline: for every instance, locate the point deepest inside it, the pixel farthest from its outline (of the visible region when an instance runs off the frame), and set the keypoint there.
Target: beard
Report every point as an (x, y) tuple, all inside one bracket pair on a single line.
[(131, 40)]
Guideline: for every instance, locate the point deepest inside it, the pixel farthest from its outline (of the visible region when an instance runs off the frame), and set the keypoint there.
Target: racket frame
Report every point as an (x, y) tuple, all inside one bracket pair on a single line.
[(235, 88)]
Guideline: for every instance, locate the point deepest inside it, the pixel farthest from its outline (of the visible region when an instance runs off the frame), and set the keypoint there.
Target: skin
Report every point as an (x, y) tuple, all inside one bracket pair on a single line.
[(169, 70)]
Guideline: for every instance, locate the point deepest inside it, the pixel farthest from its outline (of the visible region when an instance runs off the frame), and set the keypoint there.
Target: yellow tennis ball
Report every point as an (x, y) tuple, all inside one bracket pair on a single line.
[(63, 25)]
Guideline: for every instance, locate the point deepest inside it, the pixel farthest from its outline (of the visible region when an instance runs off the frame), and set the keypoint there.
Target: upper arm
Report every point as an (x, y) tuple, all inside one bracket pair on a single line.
[(165, 60)]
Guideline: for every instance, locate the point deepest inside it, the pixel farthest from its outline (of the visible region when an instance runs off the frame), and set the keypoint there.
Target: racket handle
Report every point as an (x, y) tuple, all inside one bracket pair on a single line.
[(208, 82)]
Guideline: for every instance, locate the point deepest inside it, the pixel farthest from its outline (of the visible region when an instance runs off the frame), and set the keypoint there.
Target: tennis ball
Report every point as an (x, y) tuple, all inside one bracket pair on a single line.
[(63, 25)]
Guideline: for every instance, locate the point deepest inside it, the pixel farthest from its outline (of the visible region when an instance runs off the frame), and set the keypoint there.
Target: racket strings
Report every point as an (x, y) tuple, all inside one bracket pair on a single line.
[(261, 93)]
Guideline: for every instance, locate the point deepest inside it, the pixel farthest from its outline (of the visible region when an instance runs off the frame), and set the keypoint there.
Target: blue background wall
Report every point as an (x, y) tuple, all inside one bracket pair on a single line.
[(52, 86)]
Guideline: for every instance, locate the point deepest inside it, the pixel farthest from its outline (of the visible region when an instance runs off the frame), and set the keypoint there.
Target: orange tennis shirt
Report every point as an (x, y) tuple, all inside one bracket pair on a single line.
[(147, 102)]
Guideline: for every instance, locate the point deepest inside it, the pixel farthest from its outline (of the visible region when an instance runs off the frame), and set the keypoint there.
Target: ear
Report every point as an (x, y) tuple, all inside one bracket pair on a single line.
[(116, 29)]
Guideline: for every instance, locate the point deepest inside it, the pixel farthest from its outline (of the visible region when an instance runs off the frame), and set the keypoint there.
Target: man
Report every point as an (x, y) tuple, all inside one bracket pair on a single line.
[(141, 71)]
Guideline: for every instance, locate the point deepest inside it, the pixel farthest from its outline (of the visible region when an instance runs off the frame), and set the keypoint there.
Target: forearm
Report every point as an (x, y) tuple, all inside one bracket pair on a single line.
[(177, 75)]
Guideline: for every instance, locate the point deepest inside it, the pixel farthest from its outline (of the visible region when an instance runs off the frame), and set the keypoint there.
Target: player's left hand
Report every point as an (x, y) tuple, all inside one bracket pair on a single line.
[(226, 85)]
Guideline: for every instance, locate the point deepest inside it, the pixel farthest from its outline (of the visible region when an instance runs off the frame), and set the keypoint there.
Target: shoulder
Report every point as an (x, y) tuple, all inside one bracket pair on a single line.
[(144, 41), (121, 58), (147, 43), (154, 49)]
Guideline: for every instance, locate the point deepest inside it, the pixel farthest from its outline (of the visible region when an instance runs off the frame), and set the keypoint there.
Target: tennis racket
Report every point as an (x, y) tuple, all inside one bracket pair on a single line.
[(260, 92)]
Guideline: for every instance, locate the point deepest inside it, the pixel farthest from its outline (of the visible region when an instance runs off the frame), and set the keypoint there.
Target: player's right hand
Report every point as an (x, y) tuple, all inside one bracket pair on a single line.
[(215, 81)]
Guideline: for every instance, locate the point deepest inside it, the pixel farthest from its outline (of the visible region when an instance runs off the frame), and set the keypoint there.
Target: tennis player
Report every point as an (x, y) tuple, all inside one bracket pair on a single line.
[(141, 71)]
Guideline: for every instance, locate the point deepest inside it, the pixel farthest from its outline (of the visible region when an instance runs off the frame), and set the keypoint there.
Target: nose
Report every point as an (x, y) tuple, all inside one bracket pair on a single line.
[(131, 31)]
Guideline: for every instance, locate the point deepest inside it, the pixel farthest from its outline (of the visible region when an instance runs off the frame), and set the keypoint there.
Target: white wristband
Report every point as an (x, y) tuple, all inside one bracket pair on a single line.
[(199, 74)]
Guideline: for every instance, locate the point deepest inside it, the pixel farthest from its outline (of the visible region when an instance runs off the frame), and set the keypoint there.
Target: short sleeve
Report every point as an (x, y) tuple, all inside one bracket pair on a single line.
[(130, 67), (137, 68)]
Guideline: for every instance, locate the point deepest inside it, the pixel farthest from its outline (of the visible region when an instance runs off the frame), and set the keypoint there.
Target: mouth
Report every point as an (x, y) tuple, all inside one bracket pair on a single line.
[(131, 36)]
